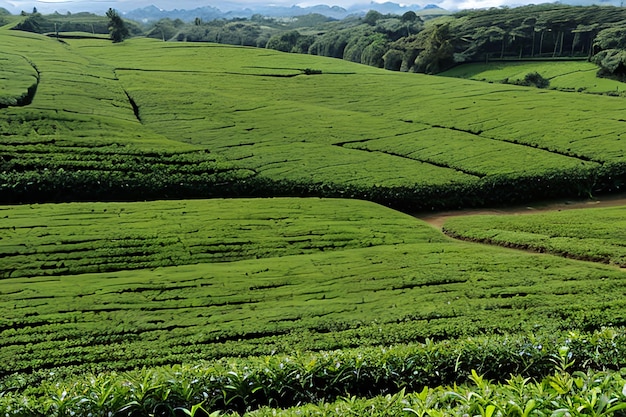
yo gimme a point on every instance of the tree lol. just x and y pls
(284, 42)
(35, 23)
(165, 29)
(612, 63)
(372, 17)
(117, 27)
(408, 19)
(438, 49)
(393, 59)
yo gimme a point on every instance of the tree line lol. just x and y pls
(410, 42)
(417, 43)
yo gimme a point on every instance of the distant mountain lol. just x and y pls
(230, 11)
(153, 13)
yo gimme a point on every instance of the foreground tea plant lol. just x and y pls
(154, 393)
(446, 378)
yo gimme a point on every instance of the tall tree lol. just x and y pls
(117, 27)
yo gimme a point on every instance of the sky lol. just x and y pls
(100, 6)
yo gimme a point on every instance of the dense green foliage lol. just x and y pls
(419, 43)
(591, 234)
(117, 27)
(60, 24)
(535, 375)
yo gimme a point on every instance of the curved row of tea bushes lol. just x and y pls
(241, 384)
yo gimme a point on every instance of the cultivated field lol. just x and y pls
(120, 306)
(265, 123)
(161, 282)
(578, 76)
(592, 234)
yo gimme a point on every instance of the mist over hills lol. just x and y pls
(232, 10)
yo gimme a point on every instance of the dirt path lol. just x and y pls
(437, 219)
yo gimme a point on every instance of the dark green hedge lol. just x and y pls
(40, 175)
(240, 384)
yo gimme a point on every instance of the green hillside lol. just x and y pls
(578, 76)
(591, 234)
(164, 282)
(150, 287)
(243, 121)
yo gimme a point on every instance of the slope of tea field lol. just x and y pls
(326, 124)
(18, 77)
(596, 234)
(577, 76)
(123, 285)
(149, 119)
(69, 132)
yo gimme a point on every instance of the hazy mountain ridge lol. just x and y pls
(229, 11)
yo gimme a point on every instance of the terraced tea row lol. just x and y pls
(18, 80)
(343, 382)
(100, 237)
(381, 278)
(593, 234)
(79, 138)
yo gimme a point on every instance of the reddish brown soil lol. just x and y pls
(437, 219)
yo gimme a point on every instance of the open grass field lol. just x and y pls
(594, 234)
(579, 76)
(94, 286)
(266, 123)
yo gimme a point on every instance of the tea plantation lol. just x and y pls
(134, 283)
(204, 120)
(573, 76)
(591, 234)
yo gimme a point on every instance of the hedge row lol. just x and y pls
(164, 181)
(242, 384)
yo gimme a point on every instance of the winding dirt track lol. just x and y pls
(437, 219)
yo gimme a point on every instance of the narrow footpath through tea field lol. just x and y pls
(437, 219)
(440, 219)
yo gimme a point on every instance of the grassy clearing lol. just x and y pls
(593, 234)
(577, 76)
(331, 275)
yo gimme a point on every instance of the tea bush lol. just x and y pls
(541, 373)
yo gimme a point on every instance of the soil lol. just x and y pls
(437, 219)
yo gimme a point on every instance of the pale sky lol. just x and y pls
(100, 6)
